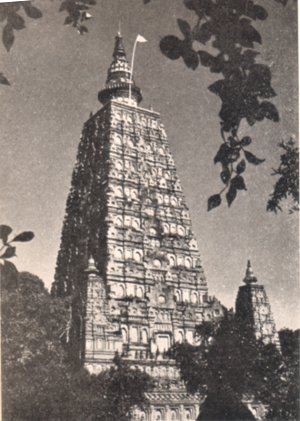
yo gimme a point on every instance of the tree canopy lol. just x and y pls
(39, 381)
(231, 367)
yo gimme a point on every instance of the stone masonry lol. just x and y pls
(128, 253)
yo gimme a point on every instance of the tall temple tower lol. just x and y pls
(253, 310)
(128, 255)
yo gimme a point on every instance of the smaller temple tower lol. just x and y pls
(253, 309)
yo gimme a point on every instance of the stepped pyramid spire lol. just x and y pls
(253, 310)
(118, 77)
(249, 277)
(145, 287)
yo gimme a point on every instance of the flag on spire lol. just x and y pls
(140, 38)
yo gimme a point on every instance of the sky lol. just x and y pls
(55, 76)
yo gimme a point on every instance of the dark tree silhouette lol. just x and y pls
(288, 183)
(39, 380)
(231, 366)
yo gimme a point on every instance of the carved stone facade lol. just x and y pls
(253, 310)
(144, 288)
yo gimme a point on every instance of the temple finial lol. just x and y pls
(91, 268)
(119, 77)
(249, 277)
(119, 30)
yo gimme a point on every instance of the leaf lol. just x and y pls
(260, 12)
(241, 167)
(238, 183)
(4, 80)
(3, 12)
(233, 142)
(222, 154)
(206, 58)
(171, 47)
(32, 11)
(5, 230)
(248, 58)
(225, 175)
(246, 141)
(63, 6)
(17, 21)
(233, 155)
(231, 195)
(82, 29)
(9, 252)
(68, 20)
(185, 28)
(249, 34)
(10, 271)
(8, 36)
(213, 202)
(217, 87)
(190, 57)
(24, 236)
(269, 111)
(252, 158)
(204, 32)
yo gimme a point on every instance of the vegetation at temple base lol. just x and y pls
(232, 364)
(39, 382)
(224, 40)
(285, 404)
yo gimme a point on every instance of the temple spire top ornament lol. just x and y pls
(249, 277)
(120, 84)
(91, 268)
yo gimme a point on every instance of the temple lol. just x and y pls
(253, 310)
(128, 254)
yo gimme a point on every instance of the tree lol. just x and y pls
(34, 371)
(285, 403)
(230, 367)
(8, 271)
(245, 87)
(39, 380)
(288, 182)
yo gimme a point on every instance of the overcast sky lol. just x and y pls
(56, 75)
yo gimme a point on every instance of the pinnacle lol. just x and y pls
(119, 77)
(119, 50)
(91, 266)
(249, 277)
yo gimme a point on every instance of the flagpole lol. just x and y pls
(132, 62)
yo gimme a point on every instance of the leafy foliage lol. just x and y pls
(39, 382)
(77, 13)
(245, 87)
(34, 374)
(229, 365)
(288, 182)
(13, 15)
(285, 404)
(8, 270)
(12, 21)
